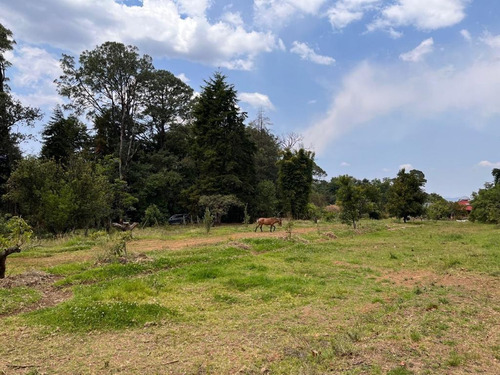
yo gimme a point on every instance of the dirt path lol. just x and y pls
(166, 244)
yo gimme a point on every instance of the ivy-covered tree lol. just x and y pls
(221, 150)
(63, 137)
(295, 178)
(406, 196)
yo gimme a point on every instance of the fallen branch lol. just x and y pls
(125, 226)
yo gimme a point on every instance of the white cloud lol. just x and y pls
(345, 164)
(183, 78)
(164, 28)
(424, 15)
(492, 41)
(307, 53)
(371, 92)
(417, 54)
(33, 66)
(489, 164)
(256, 100)
(276, 13)
(407, 167)
(193, 8)
(466, 35)
(344, 12)
(233, 18)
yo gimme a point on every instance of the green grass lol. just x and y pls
(15, 298)
(360, 304)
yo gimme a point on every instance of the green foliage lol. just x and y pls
(351, 199)
(207, 220)
(55, 199)
(246, 216)
(406, 195)
(266, 202)
(486, 205)
(111, 79)
(221, 149)
(219, 205)
(294, 181)
(153, 216)
(63, 137)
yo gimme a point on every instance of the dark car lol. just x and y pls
(179, 219)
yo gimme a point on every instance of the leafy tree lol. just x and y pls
(168, 104)
(496, 176)
(55, 199)
(219, 205)
(63, 137)
(295, 178)
(486, 204)
(351, 198)
(12, 112)
(406, 196)
(266, 202)
(110, 81)
(438, 207)
(221, 150)
(13, 235)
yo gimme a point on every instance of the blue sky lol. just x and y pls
(371, 85)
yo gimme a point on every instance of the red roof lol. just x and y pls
(466, 203)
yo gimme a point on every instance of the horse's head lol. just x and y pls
(279, 221)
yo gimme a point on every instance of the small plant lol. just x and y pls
(289, 229)
(207, 220)
(152, 216)
(455, 359)
(246, 216)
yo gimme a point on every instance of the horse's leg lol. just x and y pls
(256, 227)
(271, 227)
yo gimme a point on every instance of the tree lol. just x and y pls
(56, 199)
(13, 235)
(221, 150)
(265, 200)
(63, 137)
(295, 178)
(406, 196)
(351, 199)
(496, 176)
(486, 203)
(110, 81)
(219, 205)
(12, 112)
(438, 208)
(168, 104)
(267, 148)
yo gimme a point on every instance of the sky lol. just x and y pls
(372, 86)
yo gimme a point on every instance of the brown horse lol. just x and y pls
(268, 221)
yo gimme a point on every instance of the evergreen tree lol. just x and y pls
(222, 152)
(63, 137)
(295, 178)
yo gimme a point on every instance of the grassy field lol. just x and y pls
(389, 298)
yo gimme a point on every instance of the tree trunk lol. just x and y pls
(3, 257)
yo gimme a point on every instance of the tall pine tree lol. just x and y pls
(222, 152)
